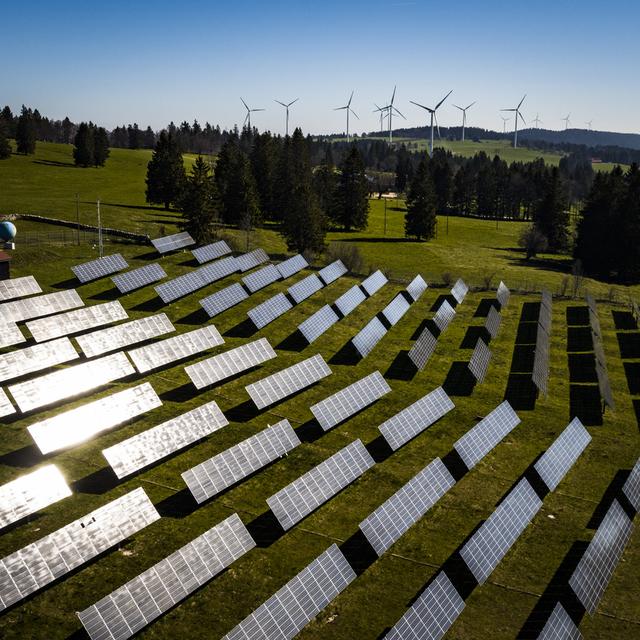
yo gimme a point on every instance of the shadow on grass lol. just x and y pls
(585, 403)
(178, 505)
(293, 342)
(70, 283)
(97, 483)
(379, 449)
(180, 394)
(472, 335)
(624, 321)
(484, 306)
(444, 297)
(154, 304)
(523, 358)
(577, 316)
(402, 368)
(530, 312)
(108, 294)
(527, 333)
(613, 492)
(310, 431)
(636, 409)
(197, 317)
(579, 339)
(150, 255)
(582, 367)
(244, 329)
(347, 355)
(521, 392)
(24, 458)
(629, 344)
(243, 412)
(358, 552)
(265, 529)
(459, 380)
(427, 324)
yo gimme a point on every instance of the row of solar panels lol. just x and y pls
(540, 375)
(604, 386)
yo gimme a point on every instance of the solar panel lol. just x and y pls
(156, 443)
(444, 315)
(432, 614)
(170, 350)
(635, 310)
(479, 362)
(30, 493)
(305, 288)
(302, 496)
(503, 294)
(394, 311)
(138, 278)
(544, 319)
(594, 321)
(291, 265)
(6, 408)
(44, 561)
(459, 290)
(216, 474)
(332, 272)
(269, 310)
(224, 299)
(497, 534)
(417, 287)
(252, 259)
(10, 334)
(18, 287)
(64, 324)
(291, 608)
(83, 423)
(540, 375)
(172, 242)
(99, 268)
(211, 251)
(134, 605)
(349, 300)
(406, 506)
(484, 436)
(19, 310)
(560, 626)
(348, 401)
(368, 337)
(492, 323)
(283, 383)
(230, 363)
(415, 418)
(374, 282)
(591, 302)
(422, 349)
(631, 487)
(319, 322)
(261, 278)
(123, 335)
(547, 299)
(36, 358)
(591, 577)
(70, 382)
(604, 385)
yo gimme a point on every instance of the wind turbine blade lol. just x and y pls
(293, 102)
(443, 99)
(457, 107)
(521, 101)
(340, 108)
(471, 105)
(398, 112)
(393, 95)
(282, 103)
(351, 98)
(420, 105)
(521, 118)
(508, 109)
(244, 103)
(354, 113)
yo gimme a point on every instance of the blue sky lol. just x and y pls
(120, 62)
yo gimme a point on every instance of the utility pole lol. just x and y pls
(100, 250)
(78, 217)
(385, 216)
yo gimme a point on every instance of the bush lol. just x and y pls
(447, 279)
(348, 253)
(532, 241)
(487, 279)
(564, 285)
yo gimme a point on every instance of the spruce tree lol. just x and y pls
(263, 163)
(26, 132)
(100, 146)
(83, 145)
(351, 202)
(551, 217)
(420, 219)
(5, 147)
(199, 202)
(165, 172)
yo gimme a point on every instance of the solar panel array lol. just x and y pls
(349, 300)
(491, 542)
(332, 272)
(459, 290)
(70, 382)
(21, 362)
(211, 251)
(404, 508)
(230, 363)
(157, 443)
(394, 311)
(479, 362)
(267, 311)
(30, 493)
(562, 454)
(173, 242)
(593, 573)
(415, 418)
(37, 306)
(444, 315)
(216, 474)
(375, 281)
(138, 278)
(99, 268)
(560, 626)
(432, 614)
(503, 294)
(417, 287)
(64, 324)
(83, 423)
(484, 436)
(10, 334)
(133, 606)
(302, 496)
(44, 561)
(492, 323)
(348, 401)
(292, 265)
(261, 278)
(123, 335)
(18, 287)
(593, 314)
(6, 408)
(631, 487)
(422, 349)
(224, 299)
(283, 383)
(545, 315)
(540, 375)
(635, 310)
(291, 608)
(305, 288)
(368, 337)
(603, 384)
(319, 322)
(251, 260)
(170, 350)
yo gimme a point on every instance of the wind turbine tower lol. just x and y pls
(432, 111)
(504, 123)
(589, 124)
(348, 109)
(516, 110)
(566, 121)
(390, 109)
(286, 106)
(382, 111)
(537, 121)
(464, 116)
(247, 119)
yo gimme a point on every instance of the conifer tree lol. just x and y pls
(199, 202)
(551, 217)
(83, 145)
(165, 172)
(5, 147)
(26, 132)
(420, 219)
(100, 146)
(351, 201)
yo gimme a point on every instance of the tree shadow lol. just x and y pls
(472, 335)
(459, 380)
(197, 317)
(579, 339)
(142, 207)
(26, 457)
(293, 342)
(97, 483)
(582, 367)
(629, 344)
(402, 368)
(484, 306)
(265, 529)
(57, 163)
(244, 329)
(577, 315)
(521, 392)
(624, 321)
(585, 404)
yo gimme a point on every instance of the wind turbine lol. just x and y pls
(464, 116)
(589, 123)
(504, 123)
(348, 109)
(566, 121)
(286, 106)
(382, 114)
(537, 121)
(517, 115)
(390, 109)
(249, 112)
(433, 117)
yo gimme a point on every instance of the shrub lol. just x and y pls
(564, 285)
(348, 253)
(532, 241)
(447, 279)
(487, 279)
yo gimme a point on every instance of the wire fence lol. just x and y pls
(64, 237)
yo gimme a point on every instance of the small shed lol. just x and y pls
(5, 265)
